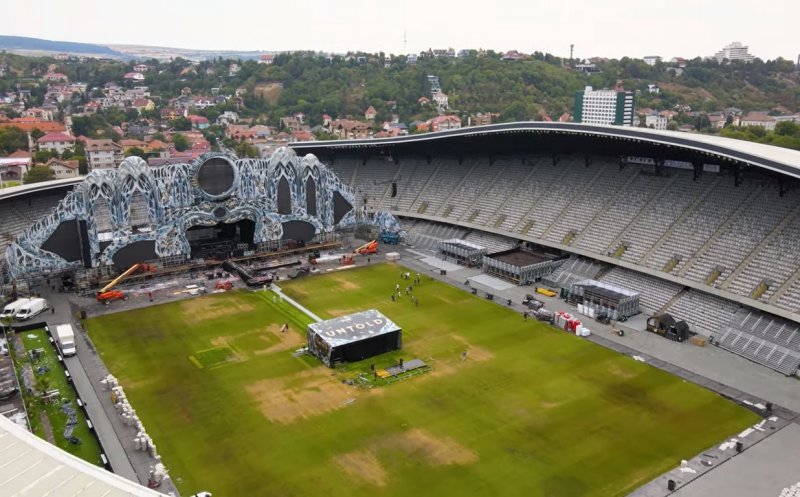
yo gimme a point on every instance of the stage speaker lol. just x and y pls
(671, 485)
(474, 291)
(768, 407)
(394, 190)
(443, 272)
(739, 447)
(86, 254)
(83, 314)
(489, 296)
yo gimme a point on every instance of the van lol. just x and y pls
(30, 309)
(11, 309)
(65, 338)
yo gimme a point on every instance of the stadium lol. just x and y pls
(631, 235)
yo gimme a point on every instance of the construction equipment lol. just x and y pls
(347, 260)
(106, 295)
(224, 285)
(367, 248)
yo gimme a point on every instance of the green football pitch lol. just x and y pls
(531, 411)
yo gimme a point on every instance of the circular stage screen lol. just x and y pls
(215, 176)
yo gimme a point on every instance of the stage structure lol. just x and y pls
(461, 252)
(519, 265)
(142, 213)
(602, 299)
(353, 337)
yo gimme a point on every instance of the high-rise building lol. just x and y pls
(734, 51)
(604, 106)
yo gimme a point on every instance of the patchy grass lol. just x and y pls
(531, 411)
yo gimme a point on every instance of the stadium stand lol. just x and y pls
(769, 341)
(654, 293)
(574, 269)
(493, 243)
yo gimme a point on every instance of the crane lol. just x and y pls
(106, 294)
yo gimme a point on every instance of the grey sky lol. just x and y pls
(609, 28)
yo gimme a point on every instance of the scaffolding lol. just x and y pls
(461, 252)
(603, 299)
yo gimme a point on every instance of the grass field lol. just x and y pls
(532, 411)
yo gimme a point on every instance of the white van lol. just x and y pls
(30, 309)
(66, 339)
(11, 309)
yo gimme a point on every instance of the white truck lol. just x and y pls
(30, 309)
(65, 337)
(11, 309)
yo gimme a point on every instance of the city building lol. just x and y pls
(759, 119)
(651, 60)
(656, 122)
(604, 107)
(734, 51)
(103, 154)
(56, 142)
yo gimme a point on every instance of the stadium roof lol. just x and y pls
(604, 139)
(31, 466)
(15, 191)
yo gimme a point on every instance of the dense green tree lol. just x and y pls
(12, 139)
(246, 149)
(37, 174)
(135, 152)
(181, 142)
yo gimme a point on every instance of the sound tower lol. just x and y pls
(394, 190)
(83, 239)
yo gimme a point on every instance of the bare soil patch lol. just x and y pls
(196, 311)
(288, 340)
(474, 353)
(346, 284)
(436, 451)
(270, 92)
(302, 395)
(363, 465)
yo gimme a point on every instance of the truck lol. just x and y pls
(66, 339)
(106, 295)
(30, 309)
(11, 309)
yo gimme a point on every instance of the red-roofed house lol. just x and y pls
(198, 122)
(302, 136)
(63, 168)
(326, 119)
(56, 77)
(267, 59)
(423, 101)
(21, 154)
(56, 142)
(143, 104)
(370, 113)
(442, 123)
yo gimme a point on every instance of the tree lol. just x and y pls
(12, 139)
(181, 142)
(37, 174)
(43, 156)
(246, 149)
(135, 152)
(181, 124)
(36, 133)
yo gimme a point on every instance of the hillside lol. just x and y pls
(25, 44)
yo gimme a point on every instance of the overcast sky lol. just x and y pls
(608, 28)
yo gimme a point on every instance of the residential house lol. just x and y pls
(103, 154)
(143, 104)
(202, 102)
(228, 117)
(198, 122)
(326, 120)
(292, 123)
(411, 59)
(441, 99)
(141, 68)
(653, 88)
(759, 119)
(443, 123)
(302, 136)
(14, 168)
(483, 118)
(56, 142)
(130, 143)
(233, 69)
(717, 120)
(512, 55)
(133, 76)
(370, 113)
(267, 59)
(423, 101)
(651, 60)
(63, 169)
(348, 129)
(655, 121)
(55, 77)
(239, 132)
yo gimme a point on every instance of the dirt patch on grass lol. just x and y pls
(437, 451)
(270, 92)
(288, 340)
(474, 353)
(416, 443)
(302, 395)
(196, 311)
(363, 465)
(619, 372)
(346, 284)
